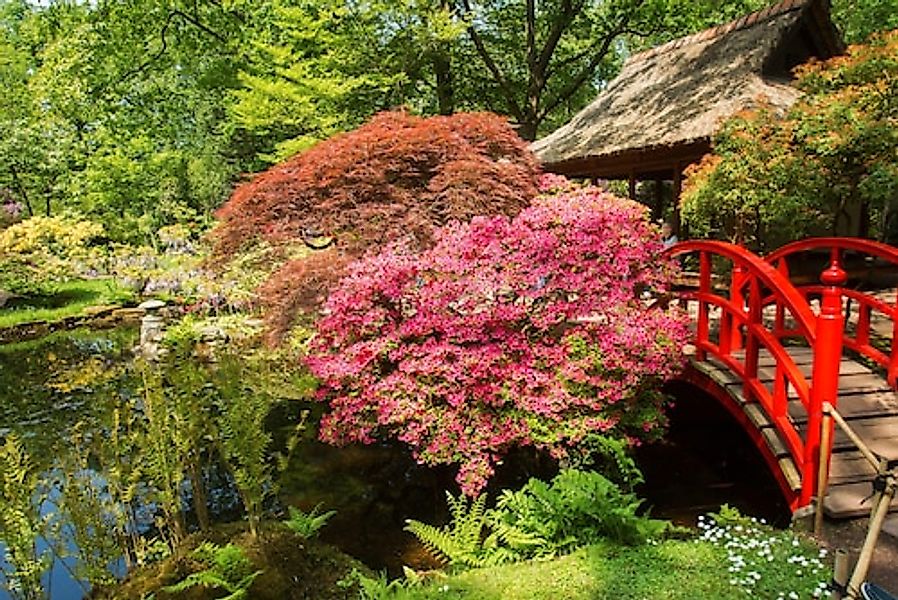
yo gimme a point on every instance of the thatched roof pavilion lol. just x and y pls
(659, 114)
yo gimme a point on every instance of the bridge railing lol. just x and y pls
(863, 260)
(742, 332)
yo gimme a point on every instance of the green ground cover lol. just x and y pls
(669, 570)
(69, 299)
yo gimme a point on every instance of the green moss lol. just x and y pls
(291, 568)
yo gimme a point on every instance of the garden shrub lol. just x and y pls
(826, 167)
(541, 520)
(509, 332)
(39, 252)
(398, 176)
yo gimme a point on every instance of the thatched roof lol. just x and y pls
(667, 102)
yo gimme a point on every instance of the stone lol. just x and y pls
(151, 305)
(128, 314)
(101, 310)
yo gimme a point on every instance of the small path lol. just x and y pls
(849, 535)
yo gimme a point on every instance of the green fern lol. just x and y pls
(460, 542)
(229, 570)
(306, 525)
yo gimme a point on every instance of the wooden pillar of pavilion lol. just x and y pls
(658, 206)
(677, 188)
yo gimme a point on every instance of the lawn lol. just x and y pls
(669, 570)
(69, 299)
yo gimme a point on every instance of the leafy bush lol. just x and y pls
(24, 563)
(576, 508)
(523, 332)
(538, 521)
(399, 176)
(38, 252)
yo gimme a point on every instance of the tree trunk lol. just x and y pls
(527, 130)
(22, 192)
(199, 495)
(442, 67)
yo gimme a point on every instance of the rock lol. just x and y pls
(213, 334)
(151, 305)
(128, 314)
(102, 310)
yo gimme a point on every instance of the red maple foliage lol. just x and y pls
(397, 177)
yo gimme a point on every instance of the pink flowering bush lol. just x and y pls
(508, 332)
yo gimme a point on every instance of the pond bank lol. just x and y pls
(92, 317)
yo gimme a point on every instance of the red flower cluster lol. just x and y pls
(524, 331)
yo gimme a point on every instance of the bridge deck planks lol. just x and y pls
(865, 400)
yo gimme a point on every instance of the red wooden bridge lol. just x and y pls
(774, 342)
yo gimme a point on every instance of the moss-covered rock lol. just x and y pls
(292, 568)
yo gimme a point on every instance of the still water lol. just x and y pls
(50, 386)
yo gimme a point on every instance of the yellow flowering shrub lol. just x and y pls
(38, 252)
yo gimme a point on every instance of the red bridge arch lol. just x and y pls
(750, 310)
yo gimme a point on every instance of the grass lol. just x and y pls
(668, 570)
(70, 299)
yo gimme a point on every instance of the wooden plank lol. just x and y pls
(757, 415)
(850, 466)
(790, 472)
(853, 406)
(880, 433)
(845, 501)
(862, 383)
(773, 441)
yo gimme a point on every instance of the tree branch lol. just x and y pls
(599, 52)
(501, 80)
(585, 73)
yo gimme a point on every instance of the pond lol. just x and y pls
(69, 387)
(70, 383)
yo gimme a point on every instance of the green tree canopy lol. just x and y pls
(829, 166)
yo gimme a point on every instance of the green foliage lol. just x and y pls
(242, 439)
(576, 508)
(380, 587)
(39, 252)
(227, 568)
(307, 524)
(858, 19)
(166, 442)
(460, 542)
(92, 513)
(608, 455)
(827, 167)
(21, 524)
(538, 521)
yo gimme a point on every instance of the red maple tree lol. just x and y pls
(397, 177)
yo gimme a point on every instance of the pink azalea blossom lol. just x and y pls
(508, 332)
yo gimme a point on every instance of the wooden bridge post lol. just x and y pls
(825, 374)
